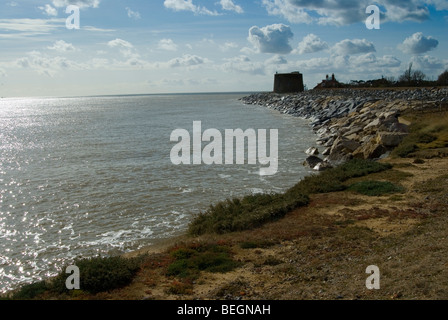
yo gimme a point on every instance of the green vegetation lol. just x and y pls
(375, 188)
(100, 274)
(104, 274)
(249, 212)
(427, 133)
(190, 261)
(333, 179)
(409, 78)
(442, 80)
(30, 291)
(436, 186)
(262, 244)
(97, 274)
(254, 210)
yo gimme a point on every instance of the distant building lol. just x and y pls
(329, 83)
(288, 82)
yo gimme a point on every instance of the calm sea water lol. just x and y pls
(89, 176)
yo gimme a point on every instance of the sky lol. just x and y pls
(177, 46)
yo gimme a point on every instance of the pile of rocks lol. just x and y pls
(352, 122)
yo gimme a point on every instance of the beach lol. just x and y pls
(321, 250)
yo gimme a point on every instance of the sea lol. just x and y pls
(92, 176)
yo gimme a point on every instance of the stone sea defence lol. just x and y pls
(352, 123)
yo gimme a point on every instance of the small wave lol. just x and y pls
(256, 190)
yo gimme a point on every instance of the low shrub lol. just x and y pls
(375, 188)
(333, 180)
(256, 244)
(100, 274)
(404, 149)
(30, 291)
(254, 210)
(189, 262)
(249, 212)
(427, 132)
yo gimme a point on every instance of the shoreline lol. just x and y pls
(417, 210)
(164, 245)
(361, 123)
(407, 99)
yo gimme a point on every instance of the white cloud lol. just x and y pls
(32, 26)
(243, 64)
(248, 51)
(126, 48)
(276, 60)
(62, 46)
(120, 43)
(79, 3)
(311, 44)
(167, 44)
(230, 6)
(406, 10)
(271, 39)
(228, 46)
(180, 5)
(133, 14)
(439, 4)
(429, 63)
(350, 66)
(370, 62)
(46, 65)
(49, 10)
(288, 10)
(94, 29)
(312, 65)
(353, 46)
(187, 60)
(187, 5)
(344, 12)
(418, 44)
(388, 61)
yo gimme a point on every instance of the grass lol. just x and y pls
(262, 244)
(427, 132)
(437, 186)
(254, 210)
(375, 188)
(322, 253)
(189, 261)
(29, 292)
(104, 274)
(249, 212)
(99, 274)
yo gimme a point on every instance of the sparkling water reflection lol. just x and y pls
(88, 176)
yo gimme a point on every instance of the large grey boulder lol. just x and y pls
(390, 139)
(312, 161)
(313, 151)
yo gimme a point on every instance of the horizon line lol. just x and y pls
(132, 94)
